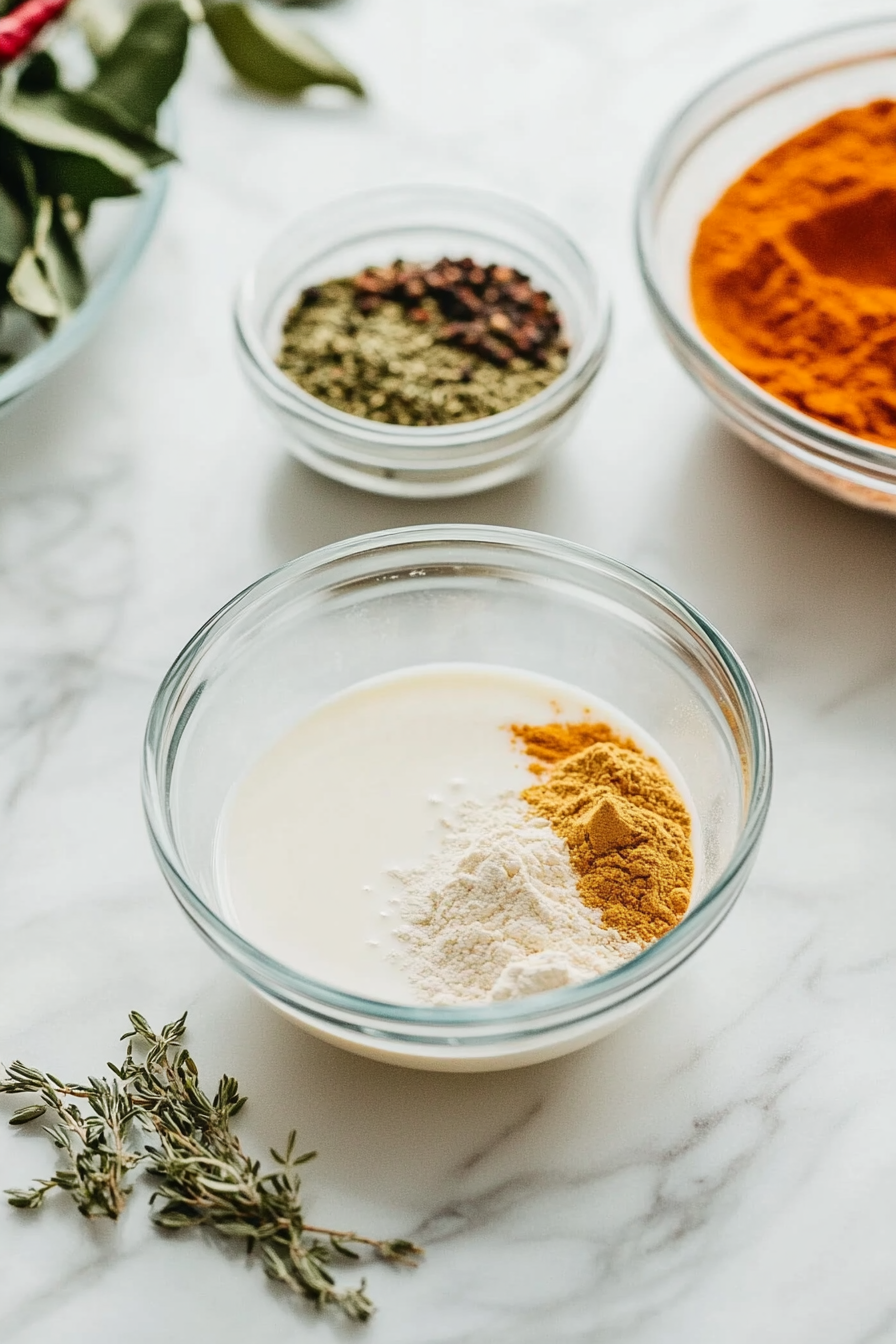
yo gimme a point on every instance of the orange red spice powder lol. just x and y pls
(793, 275)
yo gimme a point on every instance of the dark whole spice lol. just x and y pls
(411, 344)
(476, 301)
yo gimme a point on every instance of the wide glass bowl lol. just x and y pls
(421, 223)
(708, 145)
(112, 245)
(421, 595)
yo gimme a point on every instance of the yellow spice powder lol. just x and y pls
(627, 828)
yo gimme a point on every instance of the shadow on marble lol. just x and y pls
(34, 428)
(306, 510)
(382, 1131)
(428, 1143)
(799, 581)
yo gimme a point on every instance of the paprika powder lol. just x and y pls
(793, 274)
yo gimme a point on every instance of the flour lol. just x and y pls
(495, 913)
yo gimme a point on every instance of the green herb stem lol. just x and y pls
(204, 1178)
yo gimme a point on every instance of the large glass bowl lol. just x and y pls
(113, 244)
(421, 223)
(709, 144)
(420, 595)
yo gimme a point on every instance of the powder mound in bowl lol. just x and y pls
(496, 912)
(793, 273)
(536, 973)
(628, 833)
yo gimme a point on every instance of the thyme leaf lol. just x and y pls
(152, 1113)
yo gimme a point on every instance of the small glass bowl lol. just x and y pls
(421, 223)
(113, 243)
(412, 596)
(710, 143)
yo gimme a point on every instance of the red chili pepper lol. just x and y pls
(19, 29)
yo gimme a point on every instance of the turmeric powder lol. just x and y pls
(793, 274)
(626, 826)
(549, 743)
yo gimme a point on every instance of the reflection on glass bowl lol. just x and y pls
(414, 596)
(421, 223)
(707, 146)
(113, 243)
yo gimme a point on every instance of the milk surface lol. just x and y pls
(365, 784)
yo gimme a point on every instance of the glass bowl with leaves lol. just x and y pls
(79, 196)
(80, 186)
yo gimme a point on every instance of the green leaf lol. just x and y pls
(63, 266)
(29, 284)
(18, 176)
(27, 1113)
(270, 54)
(174, 1221)
(137, 76)
(13, 229)
(25, 1199)
(236, 1228)
(341, 1247)
(356, 1304)
(69, 121)
(30, 288)
(102, 22)
(40, 74)
(86, 180)
(400, 1249)
(48, 280)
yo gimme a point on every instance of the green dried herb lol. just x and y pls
(204, 1178)
(378, 359)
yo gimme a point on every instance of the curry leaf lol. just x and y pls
(269, 53)
(102, 22)
(60, 173)
(18, 174)
(29, 284)
(63, 265)
(13, 229)
(29, 287)
(40, 74)
(48, 279)
(137, 76)
(69, 121)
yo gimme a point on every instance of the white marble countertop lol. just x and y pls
(724, 1169)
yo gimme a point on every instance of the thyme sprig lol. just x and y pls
(204, 1176)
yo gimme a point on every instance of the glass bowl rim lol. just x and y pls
(585, 359)
(663, 164)
(639, 974)
(27, 372)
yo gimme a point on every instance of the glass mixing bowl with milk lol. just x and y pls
(319, 738)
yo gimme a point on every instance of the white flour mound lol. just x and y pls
(495, 912)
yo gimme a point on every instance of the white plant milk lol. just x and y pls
(364, 785)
